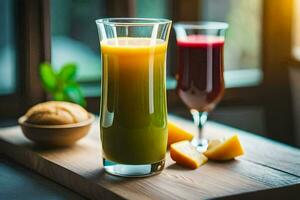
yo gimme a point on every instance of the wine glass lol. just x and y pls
(201, 65)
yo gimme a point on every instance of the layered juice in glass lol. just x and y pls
(133, 108)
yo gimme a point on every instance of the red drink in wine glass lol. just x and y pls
(200, 76)
(201, 65)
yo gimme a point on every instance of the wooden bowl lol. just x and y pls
(55, 135)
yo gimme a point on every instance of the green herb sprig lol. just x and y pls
(62, 85)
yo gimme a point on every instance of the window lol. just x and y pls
(7, 48)
(74, 36)
(243, 39)
(75, 39)
(153, 8)
(296, 30)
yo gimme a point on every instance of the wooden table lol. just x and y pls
(267, 170)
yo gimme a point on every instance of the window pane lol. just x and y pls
(243, 39)
(7, 48)
(153, 8)
(74, 35)
(296, 30)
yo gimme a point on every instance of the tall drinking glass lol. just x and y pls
(133, 115)
(200, 77)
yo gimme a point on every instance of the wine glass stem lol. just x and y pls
(199, 120)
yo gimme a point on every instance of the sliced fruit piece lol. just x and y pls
(215, 142)
(224, 149)
(176, 134)
(185, 154)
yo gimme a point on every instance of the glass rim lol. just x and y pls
(209, 25)
(128, 21)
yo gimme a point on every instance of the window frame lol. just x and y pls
(8, 102)
(276, 61)
(32, 47)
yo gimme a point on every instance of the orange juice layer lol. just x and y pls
(133, 112)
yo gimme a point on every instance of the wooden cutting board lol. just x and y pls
(267, 170)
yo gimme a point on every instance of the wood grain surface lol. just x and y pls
(266, 167)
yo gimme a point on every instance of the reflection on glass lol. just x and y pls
(7, 48)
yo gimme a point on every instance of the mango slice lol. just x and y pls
(176, 134)
(224, 149)
(185, 154)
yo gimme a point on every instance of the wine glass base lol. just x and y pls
(200, 144)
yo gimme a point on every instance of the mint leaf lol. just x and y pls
(48, 77)
(58, 96)
(68, 72)
(62, 86)
(74, 94)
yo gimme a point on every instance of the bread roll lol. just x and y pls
(56, 113)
